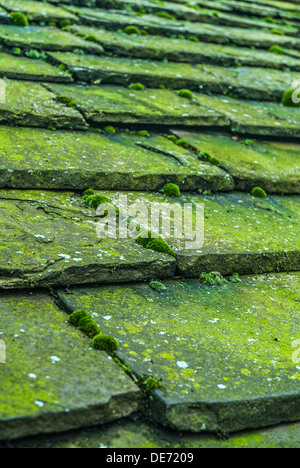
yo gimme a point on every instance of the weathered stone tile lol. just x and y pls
(151, 106)
(46, 388)
(243, 82)
(180, 50)
(38, 11)
(36, 158)
(272, 165)
(237, 232)
(256, 118)
(205, 32)
(45, 243)
(224, 365)
(4, 16)
(22, 68)
(45, 38)
(29, 103)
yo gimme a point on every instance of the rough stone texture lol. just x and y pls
(32, 158)
(239, 233)
(180, 50)
(47, 38)
(22, 68)
(268, 164)
(37, 11)
(151, 106)
(241, 82)
(225, 365)
(51, 239)
(52, 381)
(29, 103)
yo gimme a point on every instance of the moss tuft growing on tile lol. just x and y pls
(171, 190)
(258, 192)
(18, 19)
(186, 94)
(105, 343)
(212, 279)
(290, 98)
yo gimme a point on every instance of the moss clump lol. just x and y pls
(132, 30)
(87, 193)
(275, 49)
(18, 19)
(288, 100)
(90, 38)
(95, 200)
(89, 326)
(157, 286)
(212, 279)
(166, 15)
(76, 316)
(172, 138)
(105, 343)
(193, 39)
(16, 51)
(171, 190)
(110, 129)
(144, 133)
(66, 100)
(137, 86)
(183, 143)
(209, 158)
(258, 193)
(186, 94)
(65, 23)
(151, 384)
(158, 244)
(235, 278)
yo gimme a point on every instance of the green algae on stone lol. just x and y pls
(51, 160)
(31, 104)
(215, 356)
(39, 11)
(212, 279)
(40, 370)
(272, 165)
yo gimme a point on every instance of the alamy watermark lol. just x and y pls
(296, 93)
(2, 91)
(168, 220)
(2, 352)
(296, 354)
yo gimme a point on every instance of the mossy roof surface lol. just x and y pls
(124, 97)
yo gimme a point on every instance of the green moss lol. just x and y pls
(110, 129)
(183, 143)
(277, 31)
(144, 133)
(137, 86)
(95, 200)
(87, 193)
(258, 193)
(18, 19)
(76, 316)
(67, 100)
(171, 190)
(158, 244)
(132, 30)
(287, 99)
(193, 39)
(90, 38)
(172, 138)
(235, 278)
(16, 51)
(157, 286)
(204, 156)
(65, 23)
(62, 67)
(151, 384)
(105, 343)
(276, 50)
(212, 279)
(166, 15)
(186, 94)
(88, 326)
